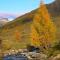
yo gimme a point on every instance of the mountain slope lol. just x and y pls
(17, 32)
(3, 21)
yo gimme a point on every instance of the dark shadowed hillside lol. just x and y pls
(54, 8)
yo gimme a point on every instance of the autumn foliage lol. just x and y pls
(42, 29)
(17, 35)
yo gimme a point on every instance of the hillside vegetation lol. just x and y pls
(16, 34)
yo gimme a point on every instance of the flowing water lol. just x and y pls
(15, 57)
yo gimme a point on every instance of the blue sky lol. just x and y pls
(18, 7)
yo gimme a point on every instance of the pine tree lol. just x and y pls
(42, 29)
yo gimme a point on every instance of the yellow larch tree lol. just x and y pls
(42, 29)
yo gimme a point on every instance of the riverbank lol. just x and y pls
(24, 54)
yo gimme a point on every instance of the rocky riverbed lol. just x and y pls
(23, 54)
(26, 55)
